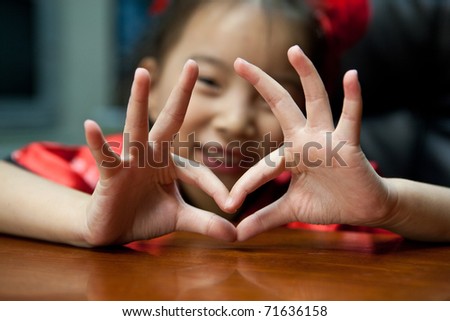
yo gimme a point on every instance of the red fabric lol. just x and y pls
(74, 166)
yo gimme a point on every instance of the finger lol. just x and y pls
(265, 170)
(171, 117)
(100, 149)
(318, 111)
(283, 106)
(267, 218)
(136, 123)
(349, 126)
(201, 176)
(191, 219)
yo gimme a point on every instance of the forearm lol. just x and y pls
(34, 207)
(421, 211)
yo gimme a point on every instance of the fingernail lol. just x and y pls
(297, 48)
(242, 61)
(139, 69)
(188, 62)
(229, 203)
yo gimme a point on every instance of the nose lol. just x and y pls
(236, 119)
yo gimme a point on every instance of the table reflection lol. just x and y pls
(279, 265)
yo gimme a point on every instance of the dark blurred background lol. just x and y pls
(404, 68)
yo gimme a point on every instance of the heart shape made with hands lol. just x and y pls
(324, 188)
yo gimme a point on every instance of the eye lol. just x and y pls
(209, 85)
(210, 82)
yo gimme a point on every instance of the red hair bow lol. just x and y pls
(344, 22)
(158, 6)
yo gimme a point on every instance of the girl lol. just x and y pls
(227, 139)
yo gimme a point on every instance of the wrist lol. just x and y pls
(389, 213)
(80, 235)
(419, 211)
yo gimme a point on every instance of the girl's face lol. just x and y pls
(228, 126)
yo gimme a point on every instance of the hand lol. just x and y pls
(332, 181)
(137, 196)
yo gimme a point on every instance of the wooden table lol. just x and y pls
(281, 264)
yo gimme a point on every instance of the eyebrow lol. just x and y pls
(211, 60)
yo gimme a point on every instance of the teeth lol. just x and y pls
(226, 160)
